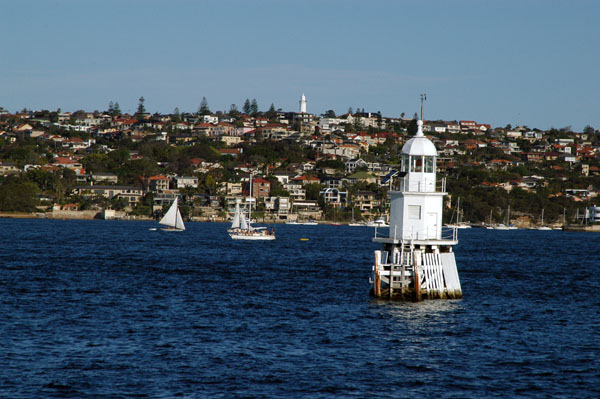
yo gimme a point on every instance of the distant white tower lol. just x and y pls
(303, 104)
(417, 259)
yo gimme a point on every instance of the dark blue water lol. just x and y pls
(111, 309)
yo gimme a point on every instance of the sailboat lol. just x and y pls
(542, 227)
(459, 223)
(335, 222)
(507, 226)
(355, 223)
(172, 219)
(490, 226)
(242, 229)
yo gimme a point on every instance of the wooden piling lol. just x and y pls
(417, 281)
(377, 287)
(391, 280)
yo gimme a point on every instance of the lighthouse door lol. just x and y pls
(431, 223)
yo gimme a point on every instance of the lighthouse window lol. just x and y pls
(416, 164)
(414, 212)
(405, 162)
(429, 164)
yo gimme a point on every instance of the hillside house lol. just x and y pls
(365, 200)
(131, 194)
(304, 180)
(260, 187)
(334, 197)
(296, 190)
(158, 183)
(185, 181)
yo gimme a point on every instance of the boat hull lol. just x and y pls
(252, 237)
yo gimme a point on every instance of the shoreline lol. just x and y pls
(96, 215)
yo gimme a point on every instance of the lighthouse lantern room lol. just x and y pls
(416, 260)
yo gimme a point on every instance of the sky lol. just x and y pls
(527, 62)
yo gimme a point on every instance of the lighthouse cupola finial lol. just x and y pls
(419, 129)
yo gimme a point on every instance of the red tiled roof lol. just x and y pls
(158, 177)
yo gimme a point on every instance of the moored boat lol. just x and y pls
(241, 229)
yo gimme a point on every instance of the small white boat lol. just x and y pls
(459, 226)
(172, 219)
(310, 223)
(379, 222)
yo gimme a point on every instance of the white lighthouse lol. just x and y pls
(417, 259)
(302, 104)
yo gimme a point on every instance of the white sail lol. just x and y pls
(243, 224)
(173, 217)
(179, 223)
(236, 218)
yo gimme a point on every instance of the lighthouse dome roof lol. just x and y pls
(419, 145)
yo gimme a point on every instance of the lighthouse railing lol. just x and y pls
(450, 233)
(447, 234)
(421, 186)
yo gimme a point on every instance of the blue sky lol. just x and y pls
(529, 62)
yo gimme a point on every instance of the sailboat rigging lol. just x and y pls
(459, 224)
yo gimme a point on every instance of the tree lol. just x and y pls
(412, 127)
(254, 107)
(271, 113)
(350, 111)
(246, 109)
(119, 157)
(329, 114)
(210, 183)
(141, 109)
(233, 110)
(203, 109)
(176, 115)
(313, 191)
(18, 195)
